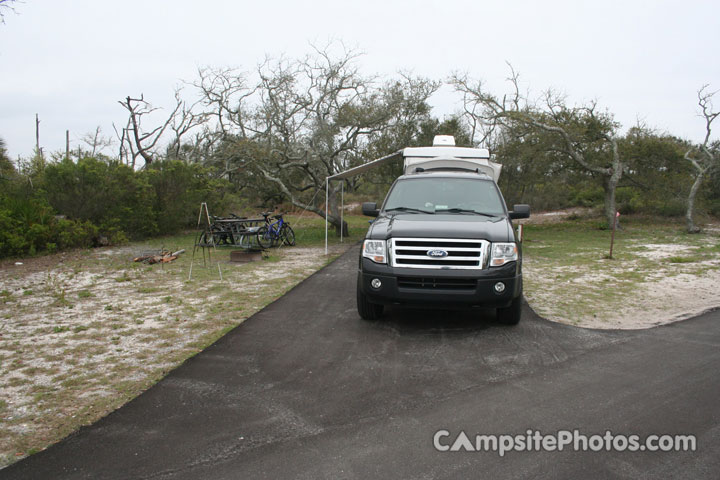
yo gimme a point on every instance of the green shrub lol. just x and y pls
(38, 235)
(12, 240)
(107, 194)
(672, 207)
(179, 188)
(714, 207)
(589, 197)
(75, 233)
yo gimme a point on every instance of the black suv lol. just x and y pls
(442, 238)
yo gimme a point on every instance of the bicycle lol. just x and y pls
(274, 233)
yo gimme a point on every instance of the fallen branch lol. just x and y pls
(165, 256)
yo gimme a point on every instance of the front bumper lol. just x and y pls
(414, 286)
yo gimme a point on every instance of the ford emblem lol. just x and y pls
(437, 253)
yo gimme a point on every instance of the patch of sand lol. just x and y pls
(666, 294)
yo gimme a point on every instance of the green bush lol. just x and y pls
(25, 233)
(12, 239)
(589, 197)
(630, 200)
(38, 235)
(74, 233)
(107, 194)
(714, 207)
(672, 207)
(163, 198)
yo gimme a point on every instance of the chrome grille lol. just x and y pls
(460, 253)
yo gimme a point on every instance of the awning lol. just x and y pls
(351, 172)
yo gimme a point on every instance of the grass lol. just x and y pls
(682, 260)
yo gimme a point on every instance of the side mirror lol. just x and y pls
(520, 211)
(370, 209)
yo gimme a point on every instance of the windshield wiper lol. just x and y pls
(465, 210)
(408, 209)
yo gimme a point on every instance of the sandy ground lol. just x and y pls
(82, 332)
(656, 301)
(667, 293)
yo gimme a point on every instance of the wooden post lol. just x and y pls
(612, 235)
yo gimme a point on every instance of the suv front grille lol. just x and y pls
(432, 283)
(452, 253)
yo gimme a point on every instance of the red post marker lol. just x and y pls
(612, 235)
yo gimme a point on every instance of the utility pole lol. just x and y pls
(67, 144)
(37, 134)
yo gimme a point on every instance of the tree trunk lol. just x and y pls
(335, 210)
(691, 227)
(610, 185)
(333, 216)
(345, 233)
(332, 219)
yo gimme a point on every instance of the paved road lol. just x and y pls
(305, 389)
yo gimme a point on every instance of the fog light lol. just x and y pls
(499, 287)
(375, 283)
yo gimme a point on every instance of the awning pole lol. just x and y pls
(327, 183)
(342, 207)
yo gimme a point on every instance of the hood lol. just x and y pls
(495, 229)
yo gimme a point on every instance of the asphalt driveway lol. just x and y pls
(306, 389)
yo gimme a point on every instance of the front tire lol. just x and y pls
(367, 309)
(288, 236)
(264, 238)
(510, 315)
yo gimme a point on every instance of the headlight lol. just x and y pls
(503, 253)
(375, 250)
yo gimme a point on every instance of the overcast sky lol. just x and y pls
(70, 61)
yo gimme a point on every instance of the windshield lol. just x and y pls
(444, 195)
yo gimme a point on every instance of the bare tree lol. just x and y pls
(96, 141)
(126, 152)
(582, 134)
(140, 143)
(703, 157)
(304, 120)
(185, 120)
(6, 5)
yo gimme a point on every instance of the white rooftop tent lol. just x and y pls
(443, 154)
